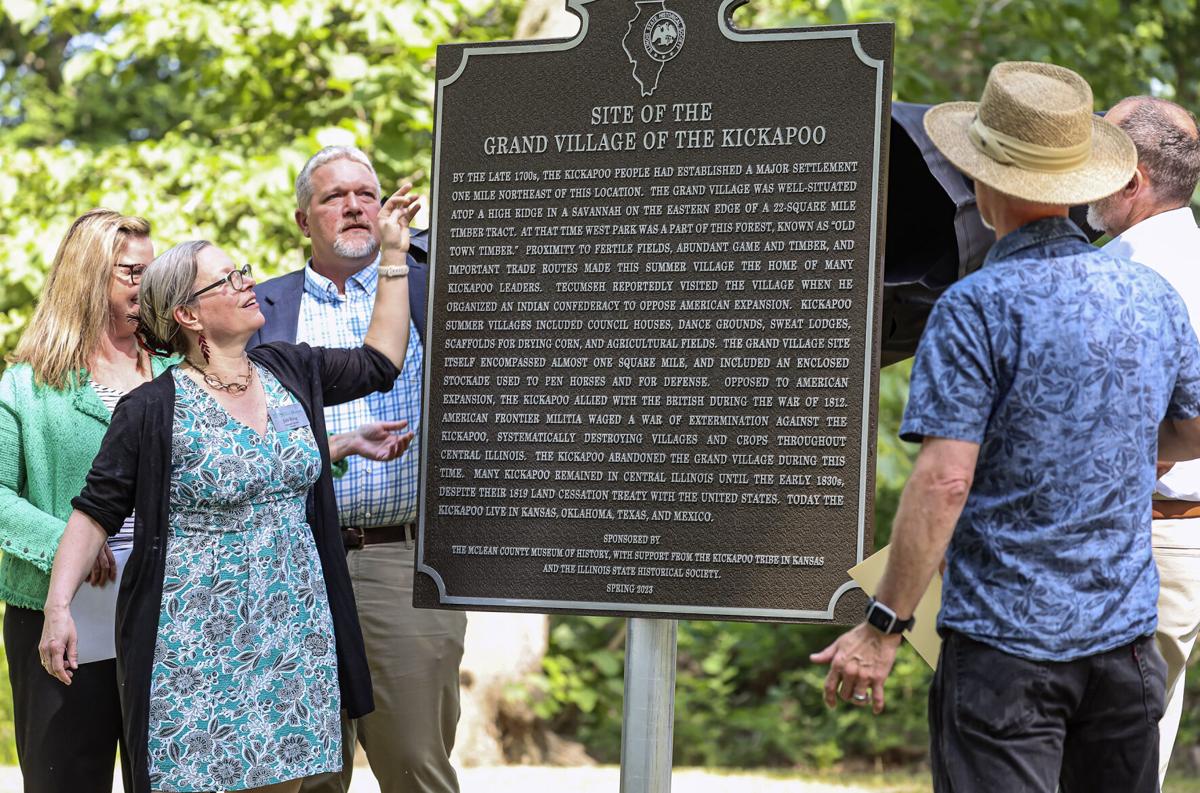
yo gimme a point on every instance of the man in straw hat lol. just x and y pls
(1040, 389)
(1152, 224)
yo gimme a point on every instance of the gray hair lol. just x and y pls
(167, 284)
(1167, 145)
(304, 190)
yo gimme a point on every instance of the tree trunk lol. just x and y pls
(502, 650)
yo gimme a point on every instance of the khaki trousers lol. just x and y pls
(413, 655)
(1177, 553)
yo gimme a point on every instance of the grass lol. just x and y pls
(1177, 783)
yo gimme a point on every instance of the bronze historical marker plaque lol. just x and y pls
(652, 355)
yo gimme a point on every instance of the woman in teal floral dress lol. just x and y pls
(238, 644)
(242, 574)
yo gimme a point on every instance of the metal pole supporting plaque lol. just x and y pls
(649, 715)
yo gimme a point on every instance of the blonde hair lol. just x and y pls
(73, 311)
(167, 284)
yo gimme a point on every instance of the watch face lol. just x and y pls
(880, 616)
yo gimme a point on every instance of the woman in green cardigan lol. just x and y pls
(76, 358)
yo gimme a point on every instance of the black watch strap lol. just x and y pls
(883, 619)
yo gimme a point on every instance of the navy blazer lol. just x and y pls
(279, 298)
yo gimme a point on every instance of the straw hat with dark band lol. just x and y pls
(1033, 136)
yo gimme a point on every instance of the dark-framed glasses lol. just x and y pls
(133, 272)
(236, 280)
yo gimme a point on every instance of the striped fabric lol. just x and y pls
(110, 397)
(370, 494)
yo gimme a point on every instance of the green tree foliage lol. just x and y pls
(944, 48)
(198, 114)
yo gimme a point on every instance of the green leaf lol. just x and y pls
(26, 13)
(586, 699)
(78, 66)
(608, 663)
(349, 68)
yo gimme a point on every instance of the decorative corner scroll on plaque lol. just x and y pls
(652, 353)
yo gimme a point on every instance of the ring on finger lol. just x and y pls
(859, 696)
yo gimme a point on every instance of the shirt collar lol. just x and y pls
(1157, 227)
(321, 288)
(1032, 235)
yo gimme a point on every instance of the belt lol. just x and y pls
(1169, 508)
(355, 537)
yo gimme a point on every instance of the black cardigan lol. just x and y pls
(133, 471)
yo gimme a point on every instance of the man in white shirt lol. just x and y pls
(1151, 222)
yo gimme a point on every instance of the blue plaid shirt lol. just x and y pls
(1059, 360)
(371, 493)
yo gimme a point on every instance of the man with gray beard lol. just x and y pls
(1152, 224)
(413, 654)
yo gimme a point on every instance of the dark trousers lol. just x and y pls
(67, 736)
(1002, 723)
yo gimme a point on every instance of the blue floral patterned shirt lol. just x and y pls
(1060, 361)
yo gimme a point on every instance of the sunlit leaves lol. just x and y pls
(944, 48)
(200, 118)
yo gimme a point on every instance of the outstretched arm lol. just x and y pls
(861, 659)
(378, 440)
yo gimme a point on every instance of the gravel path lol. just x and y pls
(531, 779)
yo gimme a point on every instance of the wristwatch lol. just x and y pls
(393, 270)
(884, 620)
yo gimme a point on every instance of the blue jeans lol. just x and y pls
(999, 722)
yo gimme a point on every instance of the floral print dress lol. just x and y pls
(244, 690)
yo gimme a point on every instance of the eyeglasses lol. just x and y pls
(236, 279)
(133, 272)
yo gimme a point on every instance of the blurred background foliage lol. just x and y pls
(197, 114)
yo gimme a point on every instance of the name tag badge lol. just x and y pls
(289, 417)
